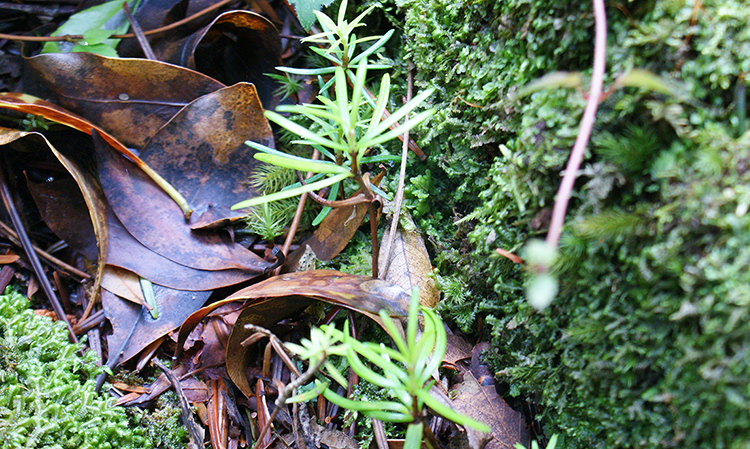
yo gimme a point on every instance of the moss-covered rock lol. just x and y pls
(646, 343)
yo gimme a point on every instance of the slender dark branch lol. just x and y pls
(196, 440)
(13, 236)
(31, 254)
(297, 217)
(39, 10)
(78, 37)
(288, 391)
(115, 357)
(374, 237)
(138, 31)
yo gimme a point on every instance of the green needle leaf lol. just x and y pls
(292, 192)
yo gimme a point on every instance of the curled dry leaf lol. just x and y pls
(123, 283)
(223, 48)
(128, 253)
(174, 306)
(201, 151)
(88, 189)
(409, 263)
(279, 297)
(32, 105)
(157, 222)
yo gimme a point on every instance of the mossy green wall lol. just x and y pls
(646, 343)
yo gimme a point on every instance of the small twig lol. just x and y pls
(352, 201)
(288, 391)
(378, 431)
(114, 358)
(138, 31)
(298, 379)
(284, 353)
(196, 440)
(15, 218)
(297, 217)
(39, 10)
(89, 323)
(587, 122)
(412, 145)
(78, 37)
(12, 235)
(400, 191)
(373, 209)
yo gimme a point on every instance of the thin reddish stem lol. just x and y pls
(587, 122)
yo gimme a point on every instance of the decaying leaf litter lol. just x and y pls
(135, 164)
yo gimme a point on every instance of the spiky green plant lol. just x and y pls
(345, 125)
(406, 371)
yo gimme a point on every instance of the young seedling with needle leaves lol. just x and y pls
(345, 125)
(404, 372)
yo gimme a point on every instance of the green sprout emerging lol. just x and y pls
(343, 128)
(406, 371)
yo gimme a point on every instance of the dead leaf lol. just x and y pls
(409, 263)
(121, 95)
(157, 222)
(265, 313)
(173, 307)
(477, 398)
(62, 208)
(8, 258)
(128, 253)
(88, 189)
(223, 50)
(362, 294)
(284, 295)
(201, 151)
(457, 349)
(123, 283)
(32, 105)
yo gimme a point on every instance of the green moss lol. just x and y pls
(163, 426)
(47, 396)
(646, 343)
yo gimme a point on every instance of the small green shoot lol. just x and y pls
(534, 445)
(406, 371)
(346, 124)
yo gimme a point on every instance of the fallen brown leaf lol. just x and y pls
(409, 263)
(477, 398)
(130, 98)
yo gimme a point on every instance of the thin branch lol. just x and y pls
(78, 37)
(138, 31)
(196, 440)
(297, 217)
(373, 211)
(31, 254)
(13, 236)
(351, 201)
(400, 191)
(587, 122)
